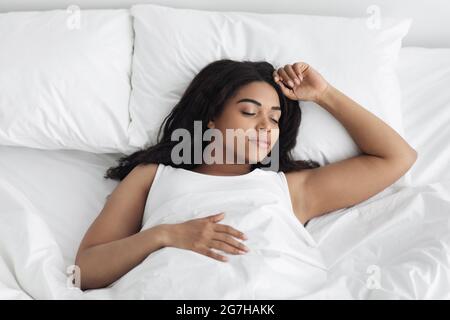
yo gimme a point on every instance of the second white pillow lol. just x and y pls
(173, 45)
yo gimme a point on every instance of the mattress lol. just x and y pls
(393, 246)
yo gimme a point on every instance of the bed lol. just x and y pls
(393, 246)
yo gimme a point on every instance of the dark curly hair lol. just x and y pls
(203, 100)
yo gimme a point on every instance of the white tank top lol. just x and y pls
(283, 261)
(194, 192)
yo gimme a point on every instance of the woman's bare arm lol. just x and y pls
(113, 244)
(386, 155)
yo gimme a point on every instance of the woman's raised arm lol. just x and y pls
(386, 155)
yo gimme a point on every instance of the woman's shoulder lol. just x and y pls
(147, 168)
(295, 180)
(294, 175)
(144, 174)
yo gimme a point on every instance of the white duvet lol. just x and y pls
(394, 246)
(424, 76)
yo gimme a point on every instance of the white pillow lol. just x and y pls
(65, 79)
(173, 45)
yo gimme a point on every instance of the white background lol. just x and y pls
(431, 26)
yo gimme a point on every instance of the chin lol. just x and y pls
(253, 154)
(255, 159)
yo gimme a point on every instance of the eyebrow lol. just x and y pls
(257, 103)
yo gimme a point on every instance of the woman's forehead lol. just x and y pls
(259, 91)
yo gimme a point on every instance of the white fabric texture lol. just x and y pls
(65, 79)
(355, 58)
(398, 240)
(425, 81)
(257, 204)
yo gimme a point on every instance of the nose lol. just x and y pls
(264, 124)
(263, 131)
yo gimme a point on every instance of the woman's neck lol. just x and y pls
(223, 169)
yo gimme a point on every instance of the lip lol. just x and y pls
(261, 143)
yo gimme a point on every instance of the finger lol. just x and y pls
(278, 81)
(216, 217)
(300, 68)
(292, 74)
(223, 237)
(286, 91)
(230, 230)
(225, 247)
(285, 77)
(275, 76)
(209, 253)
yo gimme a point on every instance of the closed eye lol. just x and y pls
(252, 114)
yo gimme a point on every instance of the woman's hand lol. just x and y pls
(300, 82)
(203, 234)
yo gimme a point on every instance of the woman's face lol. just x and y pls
(251, 117)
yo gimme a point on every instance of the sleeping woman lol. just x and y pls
(218, 211)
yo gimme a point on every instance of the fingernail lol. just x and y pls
(246, 249)
(244, 237)
(242, 252)
(224, 259)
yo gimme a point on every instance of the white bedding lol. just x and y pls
(394, 246)
(424, 76)
(399, 241)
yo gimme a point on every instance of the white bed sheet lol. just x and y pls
(424, 76)
(395, 245)
(399, 241)
(47, 202)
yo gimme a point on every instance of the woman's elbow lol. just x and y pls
(79, 263)
(407, 160)
(412, 157)
(85, 279)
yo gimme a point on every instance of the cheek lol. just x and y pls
(236, 125)
(274, 136)
(237, 121)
